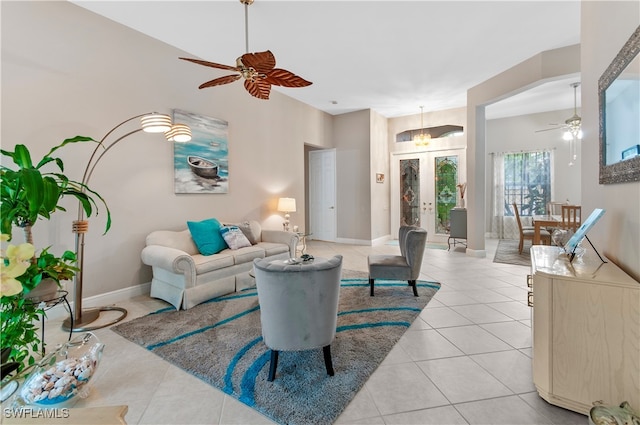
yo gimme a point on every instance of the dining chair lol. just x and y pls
(555, 208)
(528, 233)
(571, 217)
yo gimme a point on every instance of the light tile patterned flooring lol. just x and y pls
(465, 360)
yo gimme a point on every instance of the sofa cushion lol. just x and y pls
(234, 237)
(252, 230)
(207, 263)
(206, 235)
(181, 240)
(247, 254)
(271, 248)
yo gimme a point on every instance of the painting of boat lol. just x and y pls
(203, 167)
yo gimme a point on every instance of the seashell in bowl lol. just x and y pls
(63, 374)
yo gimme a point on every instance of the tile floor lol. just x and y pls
(465, 360)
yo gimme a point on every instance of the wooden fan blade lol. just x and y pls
(258, 88)
(211, 64)
(284, 78)
(219, 81)
(260, 61)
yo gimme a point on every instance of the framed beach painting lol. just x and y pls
(201, 165)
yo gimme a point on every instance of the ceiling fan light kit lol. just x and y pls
(258, 69)
(572, 127)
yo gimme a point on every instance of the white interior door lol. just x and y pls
(322, 194)
(424, 190)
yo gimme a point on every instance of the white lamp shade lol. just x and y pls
(156, 123)
(180, 133)
(287, 204)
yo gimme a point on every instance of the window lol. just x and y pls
(527, 182)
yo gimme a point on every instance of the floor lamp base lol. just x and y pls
(90, 316)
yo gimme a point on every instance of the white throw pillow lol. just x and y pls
(234, 237)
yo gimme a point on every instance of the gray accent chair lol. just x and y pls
(298, 306)
(406, 266)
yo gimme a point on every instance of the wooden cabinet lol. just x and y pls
(458, 226)
(586, 331)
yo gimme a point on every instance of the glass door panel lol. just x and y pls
(410, 192)
(446, 179)
(424, 190)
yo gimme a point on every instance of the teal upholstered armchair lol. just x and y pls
(406, 266)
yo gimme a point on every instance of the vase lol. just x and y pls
(45, 291)
(64, 373)
(461, 205)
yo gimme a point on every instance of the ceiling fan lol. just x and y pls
(258, 69)
(571, 125)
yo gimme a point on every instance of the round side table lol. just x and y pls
(47, 304)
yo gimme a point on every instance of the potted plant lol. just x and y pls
(28, 193)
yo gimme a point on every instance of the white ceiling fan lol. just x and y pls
(571, 125)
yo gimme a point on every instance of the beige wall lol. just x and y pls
(352, 135)
(606, 26)
(534, 71)
(66, 71)
(379, 191)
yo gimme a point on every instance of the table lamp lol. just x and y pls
(286, 205)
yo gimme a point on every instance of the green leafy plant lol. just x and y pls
(27, 193)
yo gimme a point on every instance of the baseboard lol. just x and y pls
(109, 298)
(380, 241)
(478, 253)
(353, 241)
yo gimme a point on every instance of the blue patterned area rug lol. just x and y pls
(220, 342)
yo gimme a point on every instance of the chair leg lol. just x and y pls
(371, 286)
(326, 350)
(273, 365)
(412, 283)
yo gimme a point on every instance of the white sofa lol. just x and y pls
(185, 278)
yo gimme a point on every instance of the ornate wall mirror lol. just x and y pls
(619, 104)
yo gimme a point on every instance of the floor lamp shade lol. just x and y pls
(150, 123)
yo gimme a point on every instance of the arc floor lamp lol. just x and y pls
(152, 122)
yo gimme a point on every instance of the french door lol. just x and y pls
(424, 190)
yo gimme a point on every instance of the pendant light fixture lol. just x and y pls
(422, 139)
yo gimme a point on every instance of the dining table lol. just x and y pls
(540, 221)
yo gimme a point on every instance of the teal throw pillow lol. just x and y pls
(206, 235)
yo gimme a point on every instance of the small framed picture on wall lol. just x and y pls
(379, 178)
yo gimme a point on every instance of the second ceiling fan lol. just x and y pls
(258, 69)
(571, 125)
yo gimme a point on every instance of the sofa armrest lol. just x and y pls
(280, 236)
(172, 260)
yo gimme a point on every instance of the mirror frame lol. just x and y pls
(627, 170)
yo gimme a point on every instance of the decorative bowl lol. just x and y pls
(64, 373)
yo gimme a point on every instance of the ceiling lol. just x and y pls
(389, 56)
